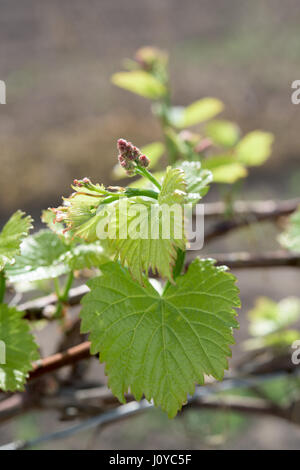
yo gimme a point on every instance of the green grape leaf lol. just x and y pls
(290, 239)
(160, 346)
(197, 180)
(224, 133)
(225, 168)
(18, 347)
(199, 111)
(153, 151)
(40, 258)
(255, 148)
(48, 218)
(85, 255)
(268, 316)
(82, 212)
(173, 187)
(229, 173)
(11, 237)
(152, 230)
(45, 255)
(140, 82)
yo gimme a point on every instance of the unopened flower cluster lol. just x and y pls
(131, 157)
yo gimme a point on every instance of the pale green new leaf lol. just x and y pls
(141, 83)
(149, 236)
(255, 148)
(48, 217)
(197, 180)
(17, 349)
(161, 346)
(200, 111)
(290, 239)
(222, 132)
(173, 188)
(225, 168)
(229, 173)
(82, 212)
(13, 232)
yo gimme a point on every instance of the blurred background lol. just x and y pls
(63, 117)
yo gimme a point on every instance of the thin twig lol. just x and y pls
(246, 213)
(203, 398)
(267, 260)
(58, 360)
(119, 413)
(34, 308)
(269, 209)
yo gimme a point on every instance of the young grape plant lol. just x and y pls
(159, 325)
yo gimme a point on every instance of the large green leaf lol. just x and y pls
(12, 235)
(255, 148)
(18, 348)
(199, 111)
(152, 230)
(290, 239)
(160, 346)
(141, 83)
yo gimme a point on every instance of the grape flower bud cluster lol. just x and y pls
(130, 157)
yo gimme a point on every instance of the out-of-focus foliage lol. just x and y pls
(219, 144)
(290, 239)
(269, 321)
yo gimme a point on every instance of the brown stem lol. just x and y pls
(268, 209)
(273, 259)
(245, 214)
(56, 361)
